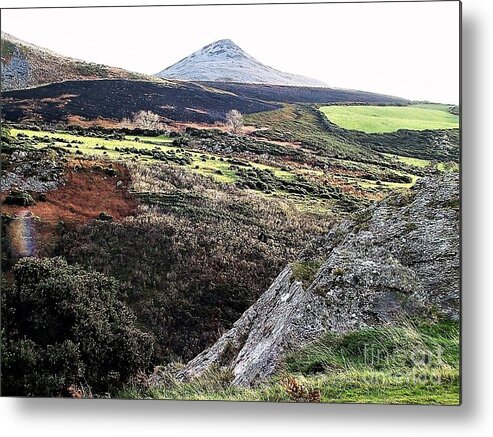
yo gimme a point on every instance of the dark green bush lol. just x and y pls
(20, 198)
(62, 325)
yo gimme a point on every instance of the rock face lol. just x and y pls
(224, 61)
(400, 257)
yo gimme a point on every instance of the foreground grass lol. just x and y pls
(379, 119)
(404, 365)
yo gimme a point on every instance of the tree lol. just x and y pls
(234, 120)
(147, 120)
(63, 326)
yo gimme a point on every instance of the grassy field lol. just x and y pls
(283, 179)
(380, 119)
(298, 123)
(412, 364)
(416, 162)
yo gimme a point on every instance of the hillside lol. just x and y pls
(399, 258)
(195, 225)
(224, 61)
(304, 94)
(26, 65)
(115, 99)
(177, 101)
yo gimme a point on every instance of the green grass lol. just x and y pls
(202, 163)
(297, 123)
(215, 168)
(158, 140)
(305, 271)
(411, 364)
(90, 144)
(380, 119)
(414, 162)
(448, 166)
(423, 163)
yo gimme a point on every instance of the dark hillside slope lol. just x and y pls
(116, 99)
(304, 94)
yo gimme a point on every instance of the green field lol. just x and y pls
(380, 119)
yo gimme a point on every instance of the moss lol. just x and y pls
(338, 271)
(305, 271)
(401, 198)
(453, 203)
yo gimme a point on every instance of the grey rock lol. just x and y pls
(400, 257)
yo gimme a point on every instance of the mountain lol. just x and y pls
(26, 65)
(399, 258)
(224, 61)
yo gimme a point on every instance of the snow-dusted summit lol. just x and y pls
(224, 61)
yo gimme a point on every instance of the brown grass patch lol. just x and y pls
(87, 192)
(76, 120)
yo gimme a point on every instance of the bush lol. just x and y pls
(65, 326)
(5, 136)
(20, 198)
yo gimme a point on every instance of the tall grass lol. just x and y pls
(411, 364)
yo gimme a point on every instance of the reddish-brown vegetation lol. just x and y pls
(88, 190)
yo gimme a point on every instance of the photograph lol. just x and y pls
(241, 202)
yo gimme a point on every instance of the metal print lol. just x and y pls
(238, 202)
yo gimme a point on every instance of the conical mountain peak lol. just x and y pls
(225, 61)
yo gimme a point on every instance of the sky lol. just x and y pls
(408, 50)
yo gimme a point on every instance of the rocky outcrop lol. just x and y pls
(30, 169)
(398, 258)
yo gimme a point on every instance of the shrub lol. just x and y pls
(20, 198)
(65, 326)
(5, 136)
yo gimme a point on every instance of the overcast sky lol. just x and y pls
(405, 49)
